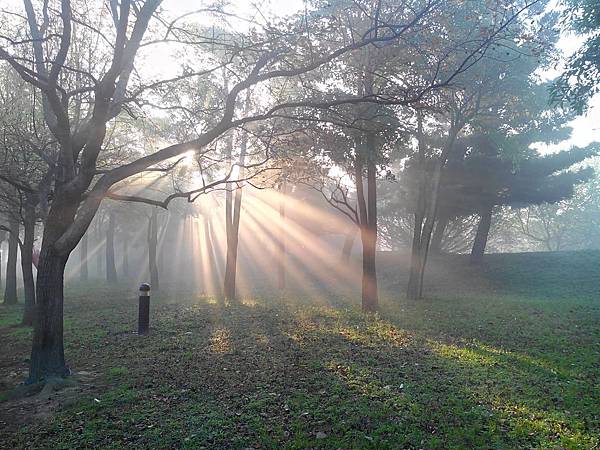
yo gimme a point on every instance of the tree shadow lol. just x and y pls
(278, 374)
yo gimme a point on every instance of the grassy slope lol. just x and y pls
(507, 357)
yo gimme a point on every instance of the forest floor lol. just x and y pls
(507, 356)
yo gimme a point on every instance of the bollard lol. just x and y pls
(144, 309)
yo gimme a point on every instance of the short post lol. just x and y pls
(144, 309)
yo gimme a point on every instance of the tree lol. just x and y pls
(480, 94)
(538, 179)
(496, 164)
(111, 268)
(26, 151)
(580, 80)
(401, 76)
(152, 248)
(81, 100)
(233, 210)
(10, 287)
(570, 224)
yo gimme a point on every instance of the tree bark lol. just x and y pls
(10, 288)
(412, 291)
(47, 351)
(438, 234)
(367, 208)
(83, 259)
(111, 269)
(27, 264)
(233, 231)
(483, 231)
(422, 238)
(428, 227)
(370, 298)
(47, 354)
(1, 242)
(152, 243)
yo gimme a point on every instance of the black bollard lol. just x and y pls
(144, 309)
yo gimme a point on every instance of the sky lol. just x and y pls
(586, 128)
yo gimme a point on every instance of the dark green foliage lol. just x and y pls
(485, 177)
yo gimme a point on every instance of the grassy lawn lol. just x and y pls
(506, 357)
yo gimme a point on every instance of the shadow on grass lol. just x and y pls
(283, 374)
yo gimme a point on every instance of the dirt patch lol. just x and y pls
(24, 405)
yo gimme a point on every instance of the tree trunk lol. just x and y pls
(111, 269)
(125, 257)
(483, 231)
(97, 248)
(281, 269)
(369, 278)
(1, 242)
(348, 245)
(152, 243)
(438, 234)
(234, 229)
(370, 298)
(27, 264)
(10, 288)
(209, 264)
(412, 291)
(228, 287)
(422, 237)
(426, 235)
(47, 354)
(83, 259)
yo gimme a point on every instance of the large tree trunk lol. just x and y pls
(233, 231)
(83, 259)
(152, 243)
(438, 234)
(412, 291)
(27, 264)
(369, 277)
(47, 354)
(370, 299)
(10, 288)
(111, 268)
(232, 250)
(47, 351)
(483, 231)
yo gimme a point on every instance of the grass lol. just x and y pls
(505, 357)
